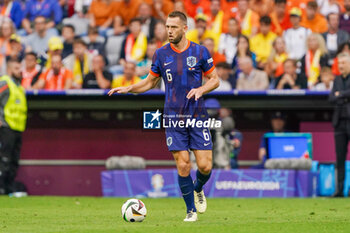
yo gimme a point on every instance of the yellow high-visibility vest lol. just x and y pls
(15, 109)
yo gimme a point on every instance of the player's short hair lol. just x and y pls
(69, 26)
(294, 62)
(265, 20)
(280, 1)
(313, 5)
(180, 15)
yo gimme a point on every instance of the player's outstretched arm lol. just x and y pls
(140, 87)
(212, 83)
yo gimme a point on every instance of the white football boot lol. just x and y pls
(191, 217)
(200, 201)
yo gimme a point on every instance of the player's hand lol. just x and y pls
(196, 93)
(119, 90)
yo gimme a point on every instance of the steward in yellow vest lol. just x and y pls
(13, 117)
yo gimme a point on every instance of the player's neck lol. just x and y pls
(181, 46)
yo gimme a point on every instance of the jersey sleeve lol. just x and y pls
(155, 67)
(207, 64)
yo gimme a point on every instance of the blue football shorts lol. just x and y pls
(178, 139)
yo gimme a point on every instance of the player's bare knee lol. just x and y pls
(205, 169)
(184, 168)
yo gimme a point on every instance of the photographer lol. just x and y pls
(227, 141)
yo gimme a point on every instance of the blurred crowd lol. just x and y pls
(255, 44)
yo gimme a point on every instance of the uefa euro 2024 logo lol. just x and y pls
(151, 120)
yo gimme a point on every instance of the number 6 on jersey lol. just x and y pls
(168, 75)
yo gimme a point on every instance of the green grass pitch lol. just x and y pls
(100, 215)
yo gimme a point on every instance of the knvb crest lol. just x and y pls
(191, 61)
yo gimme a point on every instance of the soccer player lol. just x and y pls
(181, 64)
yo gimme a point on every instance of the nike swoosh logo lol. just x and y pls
(205, 144)
(165, 64)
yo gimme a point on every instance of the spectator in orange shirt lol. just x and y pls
(161, 8)
(127, 9)
(314, 20)
(210, 45)
(248, 19)
(195, 7)
(31, 71)
(262, 7)
(56, 78)
(298, 3)
(229, 7)
(101, 13)
(280, 17)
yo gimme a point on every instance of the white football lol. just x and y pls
(134, 210)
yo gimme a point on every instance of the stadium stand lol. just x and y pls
(36, 21)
